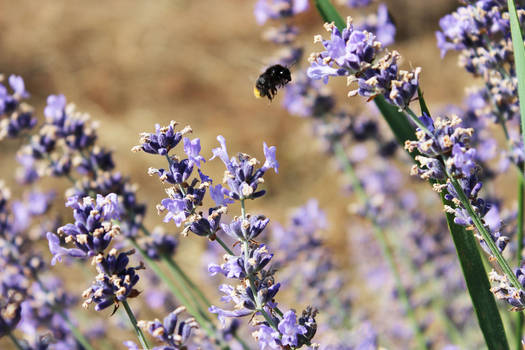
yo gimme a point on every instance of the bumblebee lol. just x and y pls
(273, 78)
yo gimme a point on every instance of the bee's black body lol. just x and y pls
(274, 77)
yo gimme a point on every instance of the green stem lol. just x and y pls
(519, 316)
(133, 322)
(184, 279)
(385, 247)
(176, 292)
(74, 329)
(179, 274)
(224, 246)
(189, 286)
(76, 332)
(15, 341)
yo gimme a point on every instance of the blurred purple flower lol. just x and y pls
(357, 3)
(55, 109)
(17, 84)
(271, 162)
(276, 9)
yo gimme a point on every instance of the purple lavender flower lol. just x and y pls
(192, 149)
(271, 162)
(381, 25)
(206, 226)
(176, 210)
(10, 310)
(468, 25)
(178, 172)
(47, 308)
(17, 84)
(217, 193)
(246, 229)
(58, 251)
(463, 161)
(290, 330)
(309, 218)
(55, 109)
(93, 229)
(18, 115)
(480, 31)
(65, 123)
(445, 138)
(354, 53)
(114, 282)
(241, 176)
(159, 244)
(502, 289)
(172, 331)
(98, 159)
(162, 141)
(276, 9)
(266, 337)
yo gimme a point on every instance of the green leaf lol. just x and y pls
(477, 284)
(422, 103)
(397, 121)
(519, 60)
(519, 57)
(466, 247)
(330, 14)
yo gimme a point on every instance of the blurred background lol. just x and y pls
(132, 64)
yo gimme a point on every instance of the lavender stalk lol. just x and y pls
(519, 252)
(133, 322)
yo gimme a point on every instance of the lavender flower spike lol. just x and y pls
(355, 53)
(114, 282)
(162, 141)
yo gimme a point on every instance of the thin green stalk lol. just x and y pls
(133, 322)
(224, 246)
(519, 59)
(173, 289)
(76, 332)
(15, 341)
(519, 317)
(74, 329)
(385, 247)
(187, 284)
(181, 277)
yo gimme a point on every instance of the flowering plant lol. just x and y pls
(270, 286)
